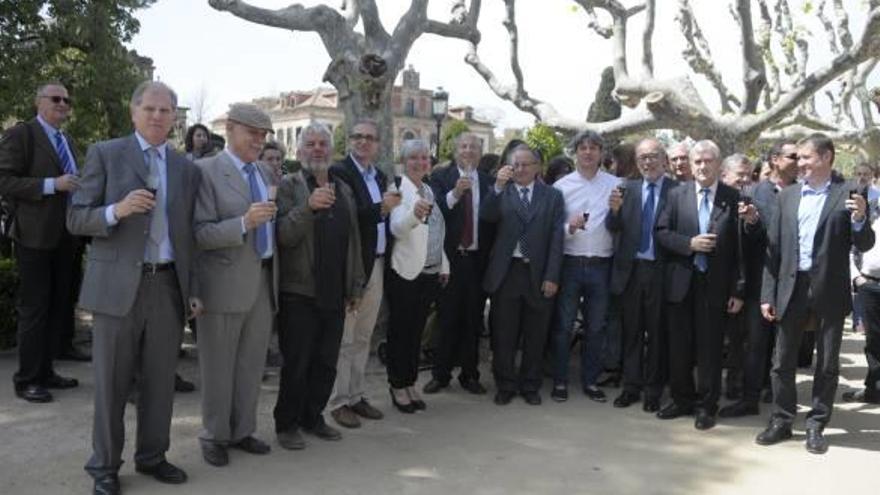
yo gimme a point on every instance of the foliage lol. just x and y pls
(454, 129)
(8, 286)
(546, 140)
(340, 141)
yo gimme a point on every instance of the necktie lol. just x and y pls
(647, 220)
(158, 225)
(524, 206)
(467, 228)
(261, 239)
(66, 162)
(700, 259)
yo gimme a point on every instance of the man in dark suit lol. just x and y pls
(637, 276)
(807, 278)
(38, 171)
(523, 271)
(137, 282)
(698, 233)
(459, 189)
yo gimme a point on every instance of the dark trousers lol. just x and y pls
(309, 339)
(829, 333)
(68, 331)
(644, 342)
(45, 308)
(696, 337)
(758, 350)
(408, 304)
(518, 314)
(734, 349)
(461, 320)
(870, 293)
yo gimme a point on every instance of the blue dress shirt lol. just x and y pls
(369, 176)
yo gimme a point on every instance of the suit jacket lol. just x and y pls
(229, 270)
(679, 222)
(829, 274)
(627, 224)
(411, 235)
(443, 180)
(754, 250)
(544, 234)
(39, 220)
(369, 213)
(115, 257)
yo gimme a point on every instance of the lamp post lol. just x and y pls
(439, 107)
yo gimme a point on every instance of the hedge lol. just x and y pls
(8, 285)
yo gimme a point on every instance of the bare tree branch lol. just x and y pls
(754, 78)
(647, 40)
(373, 28)
(463, 24)
(352, 11)
(765, 36)
(603, 31)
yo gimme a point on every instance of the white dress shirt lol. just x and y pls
(451, 201)
(584, 195)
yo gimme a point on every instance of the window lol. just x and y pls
(410, 110)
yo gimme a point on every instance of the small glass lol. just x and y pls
(331, 186)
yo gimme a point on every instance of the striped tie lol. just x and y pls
(66, 162)
(524, 207)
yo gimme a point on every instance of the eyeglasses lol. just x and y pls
(650, 157)
(791, 156)
(363, 137)
(58, 99)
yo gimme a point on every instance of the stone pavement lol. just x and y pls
(462, 444)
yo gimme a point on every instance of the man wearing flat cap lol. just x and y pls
(235, 232)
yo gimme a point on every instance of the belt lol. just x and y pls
(524, 261)
(466, 252)
(266, 262)
(589, 260)
(645, 262)
(153, 268)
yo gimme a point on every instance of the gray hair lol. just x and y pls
(313, 127)
(680, 144)
(366, 121)
(41, 89)
(138, 95)
(734, 160)
(523, 147)
(412, 146)
(465, 136)
(705, 145)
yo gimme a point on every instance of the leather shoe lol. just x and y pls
(291, 440)
(559, 393)
(252, 445)
(651, 405)
(473, 386)
(73, 354)
(407, 408)
(324, 431)
(365, 410)
(34, 393)
(344, 416)
(595, 393)
(861, 395)
(673, 411)
(215, 454)
(816, 443)
(704, 420)
(183, 386)
(775, 433)
(503, 397)
(107, 485)
(626, 399)
(164, 472)
(434, 386)
(60, 382)
(739, 409)
(532, 398)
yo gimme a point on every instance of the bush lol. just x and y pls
(8, 286)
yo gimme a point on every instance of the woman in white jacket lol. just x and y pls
(418, 268)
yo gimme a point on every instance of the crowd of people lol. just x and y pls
(677, 263)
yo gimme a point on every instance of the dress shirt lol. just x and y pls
(648, 254)
(517, 252)
(264, 196)
(870, 259)
(49, 182)
(699, 195)
(451, 201)
(369, 176)
(809, 211)
(591, 196)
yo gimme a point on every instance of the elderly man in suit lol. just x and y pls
(523, 271)
(807, 278)
(637, 276)
(698, 231)
(234, 230)
(38, 172)
(460, 188)
(136, 200)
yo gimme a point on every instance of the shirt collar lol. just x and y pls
(365, 171)
(145, 145)
(712, 189)
(466, 173)
(529, 187)
(50, 129)
(239, 163)
(657, 183)
(808, 189)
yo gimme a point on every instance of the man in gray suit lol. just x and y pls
(136, 201)
(235, 233)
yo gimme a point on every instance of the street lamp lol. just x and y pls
(439, 107)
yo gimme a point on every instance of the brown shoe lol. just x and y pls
(346, 417)
(365, 410)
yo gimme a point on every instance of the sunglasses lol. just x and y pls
(363, 137)
(58, 99)
(791, 156)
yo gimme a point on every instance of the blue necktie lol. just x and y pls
(261, 244)
(700, 259)
(647, 220)
(524, 210)
(63, 155)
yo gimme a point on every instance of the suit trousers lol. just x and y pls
(870, 293)
(696, 337)
(44, 305)
(355, 349)
(309, 338)
(735, 334)
(232, 356)
(758, 351)
(644, 341)
(519, 314)
(829, 333)
(143, 343)
(461, 320)
(408, 304)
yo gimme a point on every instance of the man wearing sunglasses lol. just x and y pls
(38, 170)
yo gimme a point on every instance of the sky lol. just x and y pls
(217, 58)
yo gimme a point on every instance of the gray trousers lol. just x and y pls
(232, 355)
(143, 343)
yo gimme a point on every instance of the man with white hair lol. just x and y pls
(679, 162)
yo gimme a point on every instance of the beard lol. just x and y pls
(317, 166)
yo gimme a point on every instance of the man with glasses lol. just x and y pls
(38, 173)
(373, 203)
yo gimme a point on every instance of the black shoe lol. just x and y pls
(182, 386)
(861, 395)
(73, 354)
(774, 433)
(434, 386)
(559, 393)
(626, 399)
(651, 405)
(595, 393)
(532, 398)
(503, 397)
(34, 393)
(107, 485)
(610, 379)
(816, 443)
(164, 472)
(291, 440)
(674, 410)
(704, 420)
(404, 408)
(739, 409)
(733, 393)
(60, 382)
(252, 445)
(324, 431)
(473, 386)
(215, 454)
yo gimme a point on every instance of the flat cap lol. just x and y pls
(250, 115)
